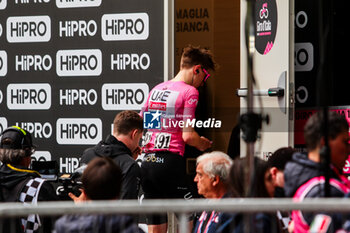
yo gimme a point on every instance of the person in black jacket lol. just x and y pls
(101, 181)
(305, 174)
(18, 183)
(123, 147)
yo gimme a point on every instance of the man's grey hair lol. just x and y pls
(12, 156)
(216, 163)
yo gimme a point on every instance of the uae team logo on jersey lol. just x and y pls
(151, 120)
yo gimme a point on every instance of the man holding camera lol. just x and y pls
(101, 180)
(18, 183)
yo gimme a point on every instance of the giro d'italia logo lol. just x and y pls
(266, 25)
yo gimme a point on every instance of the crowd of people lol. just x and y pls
(111, 172)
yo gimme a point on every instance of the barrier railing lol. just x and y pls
(181, 207)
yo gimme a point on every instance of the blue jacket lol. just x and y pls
(258, 222)
(217, 222)
(208, 222)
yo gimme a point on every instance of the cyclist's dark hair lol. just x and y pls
(192, 56)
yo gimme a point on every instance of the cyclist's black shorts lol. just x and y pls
(163, 176)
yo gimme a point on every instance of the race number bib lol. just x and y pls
(146, 138)
(162, 141)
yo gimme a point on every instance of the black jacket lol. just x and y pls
(12, 183)
(122, 156)
(300, 170)
(96, 224)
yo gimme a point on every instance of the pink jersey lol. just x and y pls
(176, 101)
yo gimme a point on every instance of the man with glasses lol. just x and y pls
(18, 183)
(169, 114)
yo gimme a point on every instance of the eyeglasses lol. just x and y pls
(207, 75)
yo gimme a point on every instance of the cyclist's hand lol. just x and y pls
(205, 144)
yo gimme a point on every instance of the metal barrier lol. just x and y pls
(183, 208)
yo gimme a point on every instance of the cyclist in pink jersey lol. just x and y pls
(169, 116)
(176, 101)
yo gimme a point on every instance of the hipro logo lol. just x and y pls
(80, 62)
(33, 62)
(68, 164)
(130, 61)
(78, 96)
(37, 129)
(77, 3)
(3, 124)
(124, 96)
(3, 63)
(133, 26)
(28, 29)
(3, 4)
(24, 96)
(78, 131)
(33, 1)
(77, 28)
(152, 120)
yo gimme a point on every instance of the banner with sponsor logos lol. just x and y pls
(67, 67)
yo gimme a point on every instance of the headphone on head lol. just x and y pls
(20, 140)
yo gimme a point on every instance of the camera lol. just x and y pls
(64, 184)
(69, 183)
